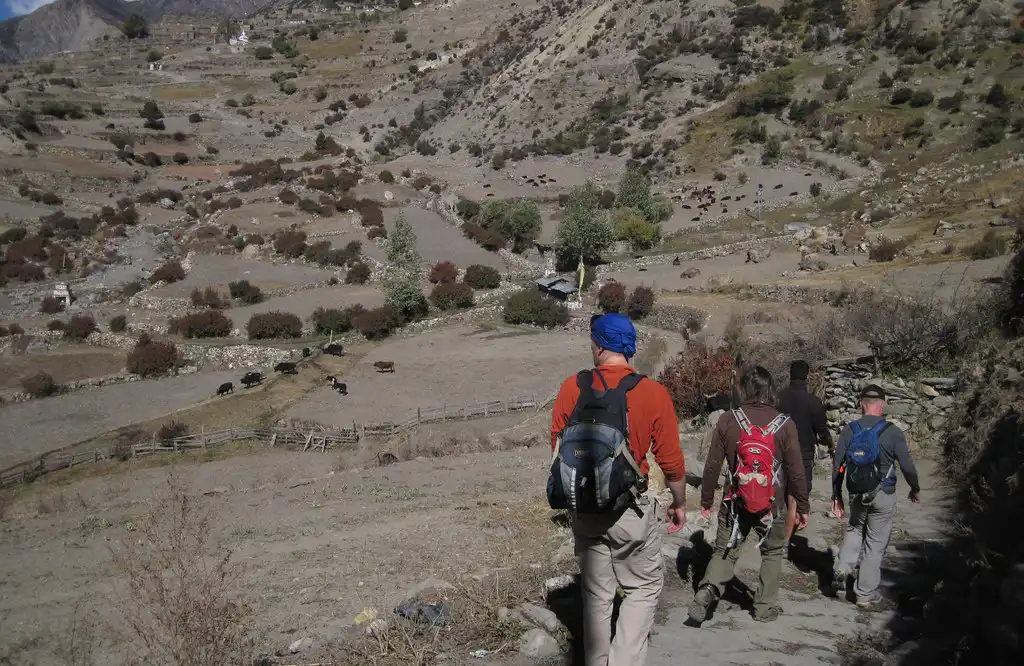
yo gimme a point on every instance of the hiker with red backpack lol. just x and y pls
(761, 450)
(604, 422)
(867, 454)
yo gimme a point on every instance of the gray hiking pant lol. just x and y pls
(867, 537)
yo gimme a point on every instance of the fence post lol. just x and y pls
(202, 435)
(444, 412)
(485, 410)
(419, 418)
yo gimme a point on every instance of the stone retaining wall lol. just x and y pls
(705, 253)
(920, 408)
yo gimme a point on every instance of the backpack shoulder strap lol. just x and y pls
(742, 420)
(776, 424)
(880, 426)
(629, 382)
(855, 428)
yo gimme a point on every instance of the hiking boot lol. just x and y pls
(706, 596)
(768, 615)
(880, 605)
(839, 583)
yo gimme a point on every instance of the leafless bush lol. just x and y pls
(40, 385)
(696, 372)
(178, 606)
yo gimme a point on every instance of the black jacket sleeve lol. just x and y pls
(820, 423)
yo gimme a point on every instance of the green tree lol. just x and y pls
(150, 111)
(635, 193)
(263, 53)
(522, 223)
(772, 150)
(585, 231)
(632, 228)
(135, 27)
(493, 214)
(402, 281)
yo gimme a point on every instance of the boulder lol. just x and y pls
(943, 402)
(303, 643)
(926, 390)
(541, 617)
(538, 644)
(690, 273)
(854, 237)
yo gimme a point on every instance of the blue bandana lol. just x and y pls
(614, 332)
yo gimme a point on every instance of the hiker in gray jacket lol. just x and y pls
(867, 454)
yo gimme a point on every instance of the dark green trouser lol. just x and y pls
(723, 562)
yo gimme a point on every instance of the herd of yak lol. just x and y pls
(255, 377)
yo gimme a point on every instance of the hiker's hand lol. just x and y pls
(676, 515)
(801, 520)
(705, 514)
(837, 509)
(913, 497)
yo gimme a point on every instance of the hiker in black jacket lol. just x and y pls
(808, 413)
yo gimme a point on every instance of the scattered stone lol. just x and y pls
(542, 617)
(510, 615)
(538, 644)
(926, 390)
(377, 628)
(167, 204)
(557, 583)
(943, 402)
(303, 643)
(690, 273)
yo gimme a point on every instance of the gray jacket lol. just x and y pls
(892, 448)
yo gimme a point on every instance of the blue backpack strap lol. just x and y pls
(879, 427)
(855, 428)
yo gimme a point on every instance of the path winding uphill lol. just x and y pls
(811, 626)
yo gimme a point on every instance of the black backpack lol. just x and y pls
(593, 470)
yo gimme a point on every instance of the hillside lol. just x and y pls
(73, 25)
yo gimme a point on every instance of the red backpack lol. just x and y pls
(757, 472)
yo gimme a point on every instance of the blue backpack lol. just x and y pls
(593, 470)
(864, 474)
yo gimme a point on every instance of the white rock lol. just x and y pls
(302, 644)
(538, 644)
(542, 617)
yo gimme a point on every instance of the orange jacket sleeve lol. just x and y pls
(665, 438)
(564, 404)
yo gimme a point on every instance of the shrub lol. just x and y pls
(531, 307)
(79, 327)
(988, 247)
(901, 96)
(443, 271)
(245, 292)
(274, 325)
(118, 324)
(641, 302)
(51, 305)
(378, 323)
(15, 329)
(387, 177)
(332, 320)
(170, 272)
(169, 432)
(290, 243)
(263, 52)
(180, 158)
(359, 273)
(997, 96)
(482, 277)
(467, 209)
(887, 249)
(815, 189)
(452, 296)
(195, 118)
(921, 98)
(611, 297)
(399, 36)
(489, 239)
(13, 235)
(207, 324)
(40, 385)
(150, 357)
(4, 331)
(697, 371)
(55, 325)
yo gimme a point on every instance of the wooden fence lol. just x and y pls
(299, 437)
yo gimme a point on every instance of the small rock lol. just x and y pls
(943, 402)
(377, 628)
(510, 615)
(167, 204)
(303, 643)
(557, 583)
(926, 390)
(542, 617)
(690, 273)
(538, 644)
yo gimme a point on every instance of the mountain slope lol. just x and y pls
(65, 25)
(72, 25)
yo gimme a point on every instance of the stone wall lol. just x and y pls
(705, 253)
(919, 408)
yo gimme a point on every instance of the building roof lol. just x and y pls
(563, 287)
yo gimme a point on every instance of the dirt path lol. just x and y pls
(808, 630)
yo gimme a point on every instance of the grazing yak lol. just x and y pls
(340, 387)
(384, 458)
(250, 378)
(225, 388)
(334, 349)
(286, 368)
(385, 366)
